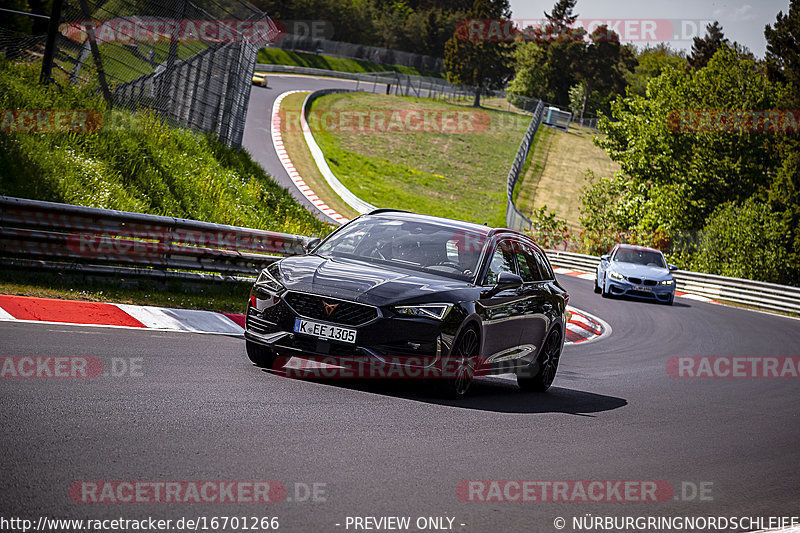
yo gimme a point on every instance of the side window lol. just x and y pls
(502, 261)
(528, 265)
(544, 266)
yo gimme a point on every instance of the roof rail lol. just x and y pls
(387, 210)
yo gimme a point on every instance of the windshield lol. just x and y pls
(428, 247)
(640, 257)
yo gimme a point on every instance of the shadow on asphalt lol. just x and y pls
(492, 394)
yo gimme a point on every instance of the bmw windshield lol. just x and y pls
(422, 246)
(640, 257)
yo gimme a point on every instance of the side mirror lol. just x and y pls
(605, 257)
(310, 245)
(506, 281)
(671, 266)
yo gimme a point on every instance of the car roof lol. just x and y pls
(637, 248)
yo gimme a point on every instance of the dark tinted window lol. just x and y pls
(502, 261)
(529, 267)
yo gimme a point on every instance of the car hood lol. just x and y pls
(364, 282)
(641, 271)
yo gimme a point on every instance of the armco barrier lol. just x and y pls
(338, 187)
(758, 294)
(41, 233)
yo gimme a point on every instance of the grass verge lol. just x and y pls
(557, 173)
(298, 151)
(145, 166)
(458, 174)
(228, 297)
(276, 56)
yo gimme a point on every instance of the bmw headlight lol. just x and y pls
(615, 275)
(436, 311)
(668, 282)
(266, 281)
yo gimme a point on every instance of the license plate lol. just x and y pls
(325, 331)
(644, 289)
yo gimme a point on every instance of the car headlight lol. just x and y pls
(436, 311)
(616, 275)
(668, 282)
(266, 281)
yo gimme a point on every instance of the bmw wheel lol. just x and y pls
(597, 283)
(548, 365)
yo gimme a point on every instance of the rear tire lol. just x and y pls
(260, 355)
(548, 365)
(465, 355)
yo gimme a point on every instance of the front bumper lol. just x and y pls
(406, 341)
(624, 287)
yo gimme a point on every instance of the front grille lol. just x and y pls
(637, 281)
(641, 294)
(347, 313)
(650, 282)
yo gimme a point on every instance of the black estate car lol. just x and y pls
(427, 296)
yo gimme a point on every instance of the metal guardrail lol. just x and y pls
(338, 187)
(514, 217)
(758, 294)
(35, 233)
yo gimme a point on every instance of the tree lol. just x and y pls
(604, 65)
(661, 141)
(703, 49)
(651, 62)
(483, 64)
(783, 47)
(562, 17)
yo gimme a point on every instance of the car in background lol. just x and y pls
(636, 271)
(418, 293)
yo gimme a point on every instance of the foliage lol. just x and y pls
(689, 173)
(481, 64)
(704, 48)
(421, 27)
(547, 229)
(652, 61)
(746, 240)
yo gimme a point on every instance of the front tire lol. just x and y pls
(548, 365)
(597, 283)
(465, 355)
(260, 355)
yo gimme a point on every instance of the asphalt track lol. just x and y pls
(257, 140)
(200, 411)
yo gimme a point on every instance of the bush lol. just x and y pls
(747, 241)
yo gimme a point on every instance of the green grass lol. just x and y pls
(147, 167)
(559, 162)
(296, 147)
(229, 297)
(276, 56)
(455, 175)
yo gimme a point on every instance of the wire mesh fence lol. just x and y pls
(189, 61)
